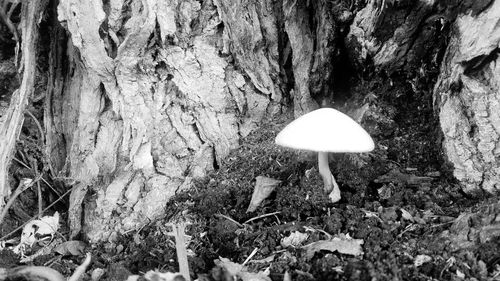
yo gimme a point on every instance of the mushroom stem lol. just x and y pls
(330, 185)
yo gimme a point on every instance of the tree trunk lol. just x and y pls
(155, 99)
(468, 100)
(466, 92)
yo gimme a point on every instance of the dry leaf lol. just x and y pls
(236, 270)
(71, 248)
(264, 186)
(406, 215)
(421, 259)
(36, 230)
(385, 192)
(342, 244)
(231, 267)
(295, 239)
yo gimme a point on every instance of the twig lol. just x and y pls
(39, 190)
(34, 167)
(229, 219)
(261, 216)
(9, 24)
(80, 270)
(38, 125)
(442, 224)
(21, 162)
(250, 256)
(180, 248)
(23, 185)
(410, 227)
(48, 207)
(42, 178)
(12, 8)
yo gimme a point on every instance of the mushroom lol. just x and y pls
(326, 130)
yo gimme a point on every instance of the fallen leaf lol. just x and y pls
(231, 267)
(236, 270)
(370, 214)
(264, 186)
(295, 239)
(342, 244)
(50, 224)
(406, 215)
(421, 259)
(71, 248)
(385, 192)
(36, 230)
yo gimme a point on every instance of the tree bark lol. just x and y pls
(468, 101)
(150, 108)
(466, 93)
(11, 123)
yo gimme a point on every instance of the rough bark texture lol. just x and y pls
(466, 93)
(468, 100)
(250, 34)
(394, 36)
(153, 99)
(302, 44)
(11, 123)
(471, 228)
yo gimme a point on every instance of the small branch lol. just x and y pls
(8, 23)
(23, 185)
(229, 219)
(42, 178)
(261, 217)
(250, 256)
(39, 190)
(34, 167)
(80, 270)
(180, 247)
(38, 125)
(12, 8)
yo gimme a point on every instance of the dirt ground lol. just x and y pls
(414, 221)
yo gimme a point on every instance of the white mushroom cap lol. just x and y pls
(326, 130)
